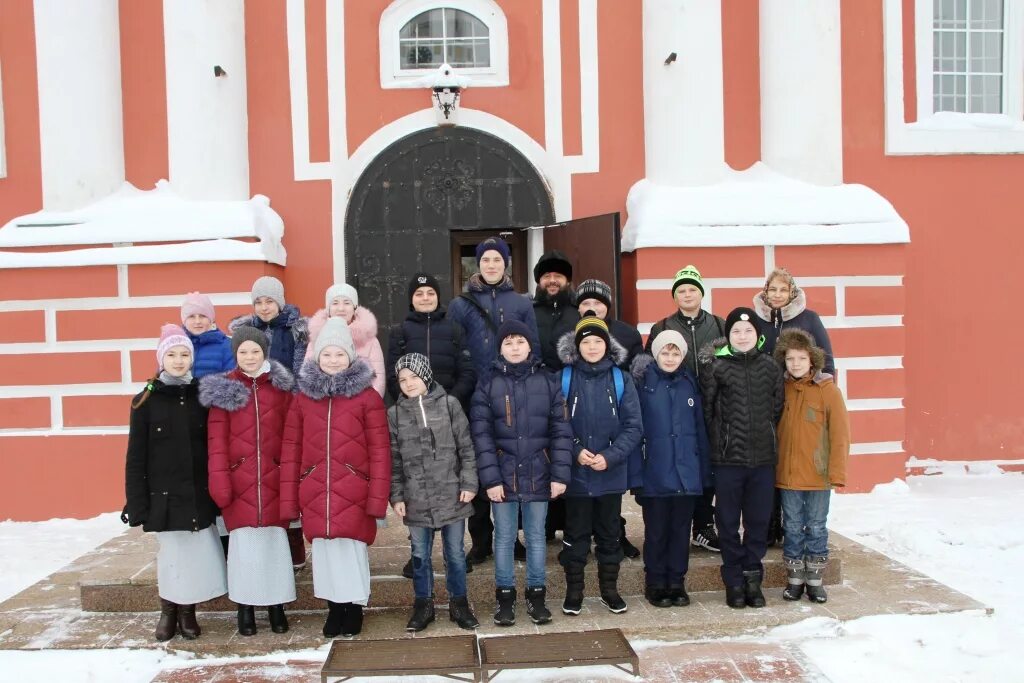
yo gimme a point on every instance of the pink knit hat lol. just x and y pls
(196, 303)
(171, 336)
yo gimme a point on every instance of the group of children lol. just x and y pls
(287, 429)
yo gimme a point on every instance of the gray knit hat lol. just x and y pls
(269, 287)
(248, 333)
(419, 364)
(594, 289)
(335, 332)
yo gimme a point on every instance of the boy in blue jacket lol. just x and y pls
(605, 416)
(522, 442)
(671, 470)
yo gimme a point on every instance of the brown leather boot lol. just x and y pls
(168, 624)
(188, 627)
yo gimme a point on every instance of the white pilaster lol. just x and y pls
(207, 115)
(684, 135)
(78, 67)
(801, 89)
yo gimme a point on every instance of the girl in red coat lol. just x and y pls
(248, 406)
(336, 469)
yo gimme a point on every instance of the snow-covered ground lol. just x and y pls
(964, 530)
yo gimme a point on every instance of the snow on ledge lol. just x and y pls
(757, 207)
(202, 231)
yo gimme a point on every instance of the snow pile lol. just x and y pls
(201, 231)
(755, 207)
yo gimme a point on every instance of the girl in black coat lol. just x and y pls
(167, 491)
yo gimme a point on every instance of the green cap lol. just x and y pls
(688, 275)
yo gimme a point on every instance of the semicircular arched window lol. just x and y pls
(444, 35)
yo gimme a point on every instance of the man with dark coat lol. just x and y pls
(553, 304)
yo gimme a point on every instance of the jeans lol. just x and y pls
(743, 494)
(803, 517)
(454, 559)
(506, 523)
(594, 518)
(667, 538)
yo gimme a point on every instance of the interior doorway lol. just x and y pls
(464, 256)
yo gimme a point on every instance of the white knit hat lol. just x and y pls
(335, 332)
(270, 287)
(665, 338)
(344, 290)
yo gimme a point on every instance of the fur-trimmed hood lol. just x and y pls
(317, 384)
(796, 306)
(706, 354)
(363, 326)
(638, 368)
(226, 390)
(293, 319)
(569, 354)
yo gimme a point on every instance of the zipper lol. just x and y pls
(693, 346)
(750, 413)
(508, 411)
(308, 471)
(330, 403)
(546, 456)
(238, 463)
(259, 456)
(423, 412)
(428, 335)
(361, 475)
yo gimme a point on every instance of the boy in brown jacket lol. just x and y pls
(814, 442)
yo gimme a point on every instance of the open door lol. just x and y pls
(593, 246)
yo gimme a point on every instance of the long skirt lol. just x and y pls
(190, 566)
(341, 570)
(260, 566)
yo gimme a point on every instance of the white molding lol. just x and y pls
(123, 346)
(50, 306)
(299, 91)
(3, 144)
(863, 404)
(126, 361)
(877, 448)
(127, 389)
(949, 133)
(66, 431)
(551, 43)
(49, 326)
(869, 363)
(337, 122)
(399, 12)
(56, 412)
(852, 321)
(757, 283)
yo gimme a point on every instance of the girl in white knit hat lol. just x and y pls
(342, 301)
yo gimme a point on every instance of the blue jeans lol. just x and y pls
(803, 520)
(454, 559)
(506, 524)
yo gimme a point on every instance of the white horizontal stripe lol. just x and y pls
(80, 346)
(876, 447)
(108, 302)
(870, 363)
(860, 404)
(84, 431)
(645, 328)
(857, 321)
(105, 389)
(757, 283)
(932, 462)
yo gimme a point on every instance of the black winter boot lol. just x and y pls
(608, 580)
(752, 588)
(188, 627)
(246, 620)
(332, 627)
(677, 594)
(794, 579)
(815, 571)
(351, 619)
(574, 583)
(167, 626)
(505, 610)
(628, 549)
(735, 597)
(278, 620)
(422, 614)
(460, 612)
(658, 596)
(535, 607)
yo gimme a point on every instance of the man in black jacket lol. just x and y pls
(699, 328)
(553, 304)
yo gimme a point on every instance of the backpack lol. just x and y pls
(617, 378)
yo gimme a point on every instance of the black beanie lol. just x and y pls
(589, 326)
(511, 327)
(553, 261)
(738, 315)
(423, 280)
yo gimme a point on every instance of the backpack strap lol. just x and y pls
(480, 309)
(566, 381)
(620, 385)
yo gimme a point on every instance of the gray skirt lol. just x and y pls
(341, 570)
(260, 566)
(190, 566)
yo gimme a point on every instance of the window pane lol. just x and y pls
(464, 25)
(987, 14)
(422, 54)
(428, 38)
(949, 14)
(469, 53)
(429, 24)
(986, 94)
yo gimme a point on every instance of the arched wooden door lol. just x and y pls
(416, 192)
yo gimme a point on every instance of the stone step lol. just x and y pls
(122, 574)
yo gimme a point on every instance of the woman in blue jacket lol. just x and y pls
(522, 443)
(671, 469)
(605, 415)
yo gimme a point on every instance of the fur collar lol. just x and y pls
(317, 384)
(476, 283)
(639, 366)
(228, 391)
(363, 326)
(707, 352)
(795, 307)
(819, 378)
(293, 320)
(569, 354)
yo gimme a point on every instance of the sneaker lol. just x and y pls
(706, 538)
(505, 610)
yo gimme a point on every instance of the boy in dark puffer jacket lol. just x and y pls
(522, 441)
(605, 416)
(743, 395)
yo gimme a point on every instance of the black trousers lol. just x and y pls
(704, 510)
(594, 518)
(481, 529)
(667, 538)
(555, 521)
(744, 494)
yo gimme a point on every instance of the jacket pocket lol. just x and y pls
(236, 464)
(306, 472)
(359, 473)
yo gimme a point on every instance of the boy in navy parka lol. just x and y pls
(671, 470)
(522, 442)
(605, 416)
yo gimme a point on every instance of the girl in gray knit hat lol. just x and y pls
(433, 481)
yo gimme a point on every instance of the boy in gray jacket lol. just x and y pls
(433, 481)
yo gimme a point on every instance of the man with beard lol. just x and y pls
(554, 305)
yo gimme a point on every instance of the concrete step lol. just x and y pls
(121, 574)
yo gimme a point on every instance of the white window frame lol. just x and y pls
(3, 142)
(400, 12)
(950, 132)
